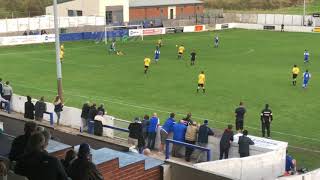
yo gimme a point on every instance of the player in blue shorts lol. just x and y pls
(306, 56)
(306, 78)
(157, 54)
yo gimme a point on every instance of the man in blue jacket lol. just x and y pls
(152, 130)
(179, 132)
(166, 129)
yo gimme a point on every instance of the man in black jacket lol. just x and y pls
(84, 116)
(226, 139)
(28, 109)
(82, 168)
(203, 136)
(266, 118)
(19, 143)
(244, 143)
(36, 164)
(135, 134)
(91, 115)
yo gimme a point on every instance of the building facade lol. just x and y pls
(123, 11)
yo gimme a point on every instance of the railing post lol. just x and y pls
(208, 155)
(167, 149)
(51, 119)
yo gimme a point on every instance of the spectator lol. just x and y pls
(7, 91)
(225, 142)
(152, 130)
(146, 152)
(135, 134)
(36, 164)
(3, 170)
(291, 164)
(203, 136)
(25, 33)
(166, 129)
(19, 143)
(82, 168)
(266, 119)
(40, 108)
(1, 86)
(84, 116)
(244, 143)
(28, 109)
(70, 156)
(187, 120)
(191, 136)
(145, 125)
(58, 107)
(239, 113)
(6, 104)
(101, 108)
(179, 132)
(91, 115)
(99, 117)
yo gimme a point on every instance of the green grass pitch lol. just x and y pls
(249, 66)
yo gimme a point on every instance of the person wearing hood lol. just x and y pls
(225, 142)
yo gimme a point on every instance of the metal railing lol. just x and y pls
(168, 141)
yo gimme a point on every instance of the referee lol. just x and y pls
(266, 118)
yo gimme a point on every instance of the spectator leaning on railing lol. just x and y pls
(244, 144)
(84, 115)
(6, 104)
(135, 134)
(39, 109)
(7, 91)
(203, 136)
(225, 142)
(145, 125)
(179, 132)
(191, 136)
(166, 129)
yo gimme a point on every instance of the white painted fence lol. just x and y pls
(46, 22)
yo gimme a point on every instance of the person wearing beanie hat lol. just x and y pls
(135, 134)
(203, 136)
(83, 162)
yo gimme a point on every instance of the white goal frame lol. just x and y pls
(107, 28)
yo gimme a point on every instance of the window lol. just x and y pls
(79, 13)
(70, 13)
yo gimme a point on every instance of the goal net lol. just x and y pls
(122, 33)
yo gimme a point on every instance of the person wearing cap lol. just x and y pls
(152, 130)
(166, 129)
(266, 118)
(203, 136)
(225, 142)
(179, 132)
(244, 144)
(135, 134)
(82, 168)
(191, 136)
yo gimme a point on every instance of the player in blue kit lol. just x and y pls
(157, 54)
(306, 56)
(306, 78)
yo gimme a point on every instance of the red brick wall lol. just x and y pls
(155, 12)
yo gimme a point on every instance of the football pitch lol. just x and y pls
(249, 66)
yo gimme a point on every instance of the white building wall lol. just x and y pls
(91, 7)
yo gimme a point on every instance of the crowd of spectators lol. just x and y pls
(29, 158)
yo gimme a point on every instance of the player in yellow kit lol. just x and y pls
(159, 43)
(146, 64)
(61, 52)
(295, 73)
(181, 50)
(201, 81)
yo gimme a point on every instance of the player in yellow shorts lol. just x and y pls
(160, 43)
(181, 50)
(146, 64)
(201, 81)
(295, 73)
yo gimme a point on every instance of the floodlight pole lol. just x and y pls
(57, 39)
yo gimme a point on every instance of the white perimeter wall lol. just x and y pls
(313, 175)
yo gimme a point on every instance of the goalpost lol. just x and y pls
(134, 32)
